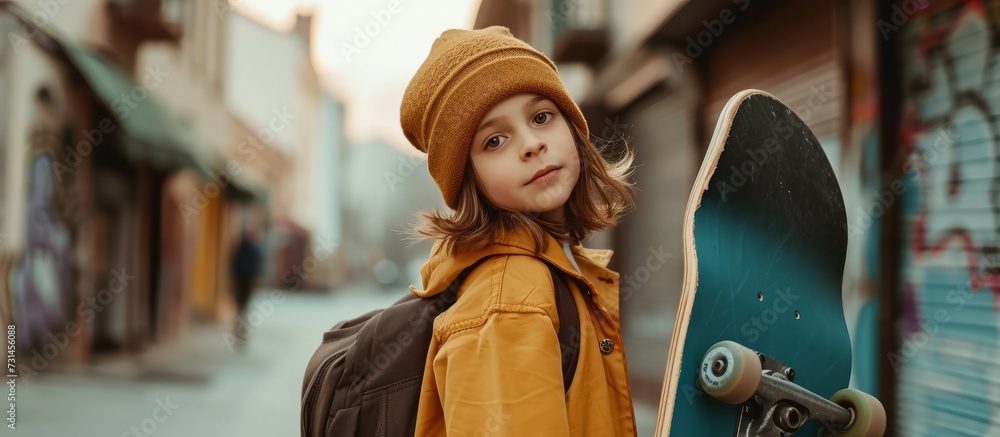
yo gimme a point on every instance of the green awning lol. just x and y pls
(152, 132)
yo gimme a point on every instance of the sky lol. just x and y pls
(366, 51)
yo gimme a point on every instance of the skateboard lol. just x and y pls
(760, 345)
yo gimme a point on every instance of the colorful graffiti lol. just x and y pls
(41, 279)
(951, 276)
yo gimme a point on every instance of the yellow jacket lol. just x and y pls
(494, 366)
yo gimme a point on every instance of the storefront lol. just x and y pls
(95, 244)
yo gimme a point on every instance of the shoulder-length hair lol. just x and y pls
(601, 198)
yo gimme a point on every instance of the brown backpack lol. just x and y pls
(365, 378)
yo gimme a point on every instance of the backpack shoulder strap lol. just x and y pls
(569, 326)
(450, 294)
(569, 318)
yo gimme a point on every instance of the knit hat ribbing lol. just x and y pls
(465, 75)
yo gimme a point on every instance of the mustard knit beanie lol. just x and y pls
(467, 73)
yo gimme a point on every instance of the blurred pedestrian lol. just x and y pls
(247, 262)
(512, 156)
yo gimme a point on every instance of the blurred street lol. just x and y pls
(201, 386)
(208, 389)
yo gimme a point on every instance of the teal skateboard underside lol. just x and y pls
(770, 237)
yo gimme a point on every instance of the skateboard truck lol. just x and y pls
(774, 405)
(772, 411)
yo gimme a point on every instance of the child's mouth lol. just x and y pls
(546, 177)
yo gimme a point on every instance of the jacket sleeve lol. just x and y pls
(503, 378)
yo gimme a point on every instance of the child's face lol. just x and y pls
(519, 137)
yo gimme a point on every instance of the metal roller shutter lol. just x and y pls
(789, 53)
(949, 381)
(662, 136)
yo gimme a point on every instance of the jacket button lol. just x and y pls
(607, 346)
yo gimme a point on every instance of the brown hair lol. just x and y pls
(601, 197)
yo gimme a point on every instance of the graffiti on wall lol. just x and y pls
(41, 277)
(951, 212)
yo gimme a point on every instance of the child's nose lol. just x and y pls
(532, 146)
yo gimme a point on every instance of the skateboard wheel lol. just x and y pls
(869, 415)
(730, 372)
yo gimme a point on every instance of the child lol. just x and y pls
(511, 154)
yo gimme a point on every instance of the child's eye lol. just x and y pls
(542, 117)
(494, 142)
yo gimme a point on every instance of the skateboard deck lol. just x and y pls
(765, 240)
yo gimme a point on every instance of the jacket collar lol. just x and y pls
(442, 269)
(600, 257)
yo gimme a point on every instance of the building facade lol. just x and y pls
(127, 178)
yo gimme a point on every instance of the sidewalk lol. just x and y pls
(195, 386)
